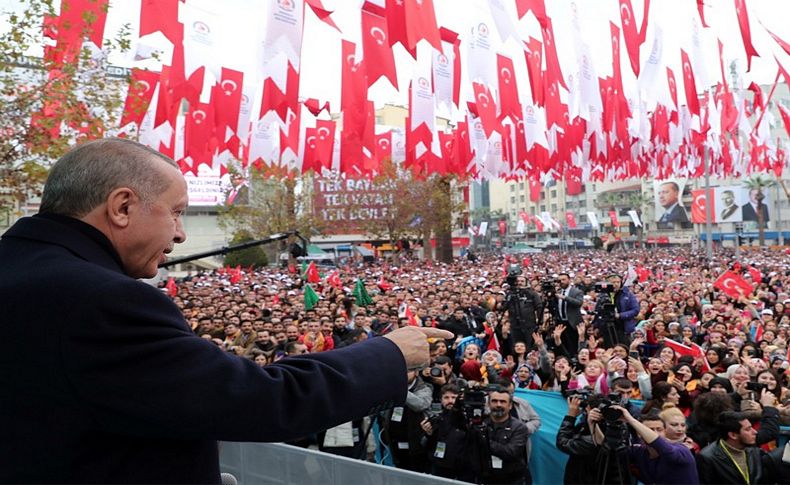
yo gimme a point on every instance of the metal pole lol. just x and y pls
(708, 208)
(778, 215)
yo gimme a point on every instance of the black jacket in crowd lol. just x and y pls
(507, 442)
(449, 428)
(576, 442)
(714, 466)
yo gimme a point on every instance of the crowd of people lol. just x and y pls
(668, 378)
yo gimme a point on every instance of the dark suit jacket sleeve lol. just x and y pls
(575, 297)
(132, 360)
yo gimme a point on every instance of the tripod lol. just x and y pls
(613, 458)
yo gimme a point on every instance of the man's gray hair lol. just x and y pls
(83, 178)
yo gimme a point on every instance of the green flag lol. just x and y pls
(304, 270)
(310, 297)
(361, 294)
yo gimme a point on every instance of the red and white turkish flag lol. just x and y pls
(376, 47)
(421, 23)
(538, 223)
(508, 89)
(199, 130)
(502, 227)
(673, 87)
(630, 33)
(746, 34)
(227, 101)
(553, 71)
(324, 142)
(698, 214)
(486, 108)
(733, 284)
(613, 218)
(141, 91)
(570, 219)
(692, 99)
(383, 146)
(533, 52)
(693, 350)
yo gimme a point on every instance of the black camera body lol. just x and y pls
(548, 287)
(435, 371)
(610, 414)
(756, 387)
(583, 395)
(513, 272)
(471, 402)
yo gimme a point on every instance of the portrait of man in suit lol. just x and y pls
(749, 209)
(730, 208)
(669, 199)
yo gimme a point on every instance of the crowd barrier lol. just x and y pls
(277, 463)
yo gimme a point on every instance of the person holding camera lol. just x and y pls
(615, 312)
(402, 428)
(569, 313)
(525, 310)
(500, 443)
(439, 374)
(446, 439)
(657, 459)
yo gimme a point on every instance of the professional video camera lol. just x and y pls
(513, 272)
(582, 394)
(471, 402)
(605, 310)
(548, 287)
(610, 414)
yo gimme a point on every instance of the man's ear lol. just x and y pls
(119, 204)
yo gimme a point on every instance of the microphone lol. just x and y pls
(228, 479)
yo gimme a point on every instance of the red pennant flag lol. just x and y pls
(701, 10)
(383, 285)
(538, 223)
(746, 34)
(553, 71)
(757, 277)
(733, 284)
(324, 142)
(631, 35)
(384, 146)
(376, 45)
(693, 350)
(784, 45)
(570, 219)
(535, 189)
(314, 106)
(690, 86)
(141, 91)
(172, 289)
(333, 279)
(412, 319)
(698, 214)
(323, 14)
(198, 132)
(312, 273)
(486, 108)
(508, 90)
(421, 23)
(757, 101)
(493, 340)
(613, 218)
(533, 53)
(235, 275)
(673, 87)
(537, 7)
(161, 16)
(227, 101)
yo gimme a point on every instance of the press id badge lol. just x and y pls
(496, 462)
(397, 414)
(402, 445)
(441, 447)
(355, 435)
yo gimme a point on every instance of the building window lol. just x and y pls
(512, 188)
(522, 198)
(521, 186)
(513, 200)
(554, 193)
(582, 203)
(543, 208)
(553, 207)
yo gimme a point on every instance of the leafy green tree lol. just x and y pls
(254, 256)
(47, 104)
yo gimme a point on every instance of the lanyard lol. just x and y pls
(744, 475)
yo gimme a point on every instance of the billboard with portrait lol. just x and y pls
(668, 196)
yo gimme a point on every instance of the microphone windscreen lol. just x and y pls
(228, 479)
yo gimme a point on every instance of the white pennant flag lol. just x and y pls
(483, 229)
(593, 220)
(653, 74)
(481, 59)
(635, 218)
(503, 19)
(520, 226)
(443, 79)
(534, 126)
